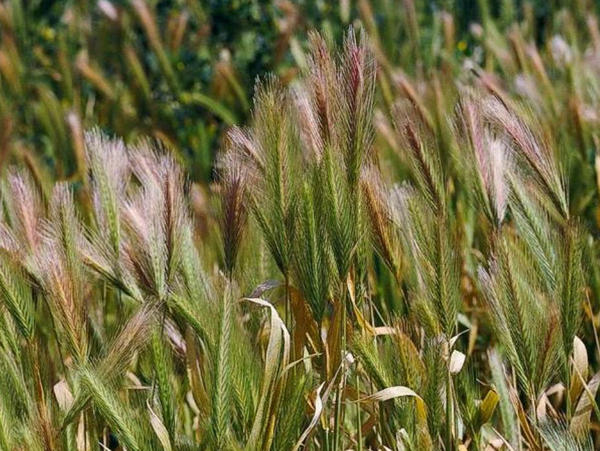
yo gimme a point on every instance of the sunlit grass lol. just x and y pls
(386, 259)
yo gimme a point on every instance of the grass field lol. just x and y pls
(368, 225)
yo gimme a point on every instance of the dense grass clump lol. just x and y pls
(387, 259)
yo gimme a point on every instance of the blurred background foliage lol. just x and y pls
(183, 71)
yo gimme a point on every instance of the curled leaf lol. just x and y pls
(276, 358)
(386, 394)
(580, 368)
(580, 423)
(159, 429)
(486, 408)
(63, 394)
(457, 360)
(314, 420)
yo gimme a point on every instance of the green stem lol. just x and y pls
(339, 417)
(358, 418)
(287, 302)
(449, 421)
